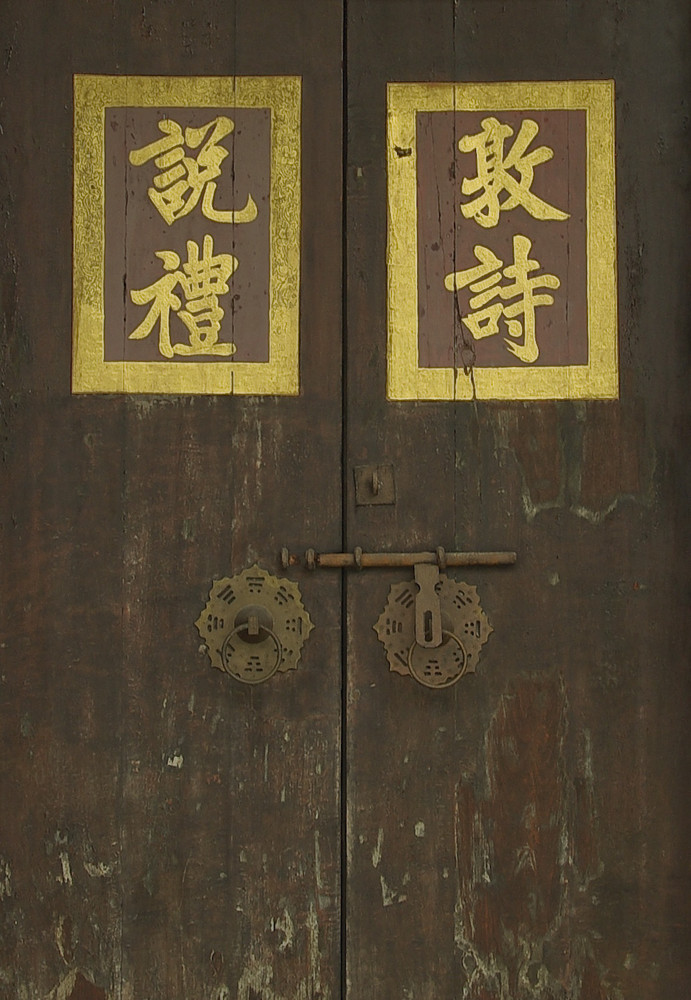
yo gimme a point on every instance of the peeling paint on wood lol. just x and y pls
(166, 836)
(76, 986)
(523, 910)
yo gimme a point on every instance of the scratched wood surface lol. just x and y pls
(164, 832)
(523, 834)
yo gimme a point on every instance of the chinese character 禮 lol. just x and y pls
(202, 281)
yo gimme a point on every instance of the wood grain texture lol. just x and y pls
(167, 835)
(522, 834)
(165, 832)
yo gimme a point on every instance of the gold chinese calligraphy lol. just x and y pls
(501, 254)
(187, 234)
(184, 179)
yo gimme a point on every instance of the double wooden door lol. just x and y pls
(341, 831)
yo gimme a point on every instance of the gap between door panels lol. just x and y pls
(344, 501)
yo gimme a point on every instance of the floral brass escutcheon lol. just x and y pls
(465, 630)
(254, 625)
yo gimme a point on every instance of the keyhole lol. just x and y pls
(428, 626)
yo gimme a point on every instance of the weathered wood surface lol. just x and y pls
(165, 832)
(523, 834)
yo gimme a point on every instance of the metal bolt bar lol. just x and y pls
(370, 560)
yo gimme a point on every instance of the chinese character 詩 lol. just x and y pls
(494, 175)
(484, 282)
(183, 179)
(202, 281)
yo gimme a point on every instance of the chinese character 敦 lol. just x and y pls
(184, 179)
(201, 281)
(494, 176)
(484, 281)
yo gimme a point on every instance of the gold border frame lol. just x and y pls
(599, 379)
(90, 373)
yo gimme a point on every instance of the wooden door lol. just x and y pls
(165, 832)
(522, 833)
(169, 833)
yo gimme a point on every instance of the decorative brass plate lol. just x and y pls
(465, 630)
(254, 625)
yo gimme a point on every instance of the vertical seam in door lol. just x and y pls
(344, 500)
(455, 411)
(119, 947)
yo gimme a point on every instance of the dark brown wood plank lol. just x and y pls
(166, 832)
(400, 886)
(522, 833)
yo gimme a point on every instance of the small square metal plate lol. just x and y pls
(374, 484)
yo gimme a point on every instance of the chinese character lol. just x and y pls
(201, 283)
(183, 180)
(493, 177)
(484, 280)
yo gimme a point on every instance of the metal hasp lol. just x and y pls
(254, 625)
(428, 630)
(433, 630)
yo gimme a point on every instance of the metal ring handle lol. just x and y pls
(446, 683)
(256, 680)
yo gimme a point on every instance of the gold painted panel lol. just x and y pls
(501, 251)
(187, 127)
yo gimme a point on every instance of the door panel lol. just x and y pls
(166, 831)
(520, 833)
(169, 833)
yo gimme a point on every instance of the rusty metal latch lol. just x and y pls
(357, 559)
(429, 633)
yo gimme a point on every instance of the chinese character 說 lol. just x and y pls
(183, 179)
(494, 175)
(202, 281)
(516, 298)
